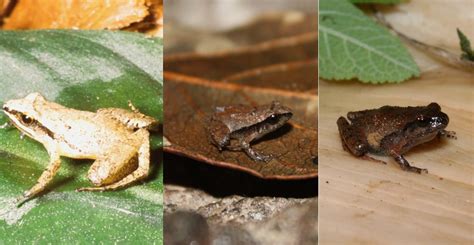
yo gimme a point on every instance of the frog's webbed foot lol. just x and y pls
(449, 134)
(406, 166)
(22, 200)
(256, 156)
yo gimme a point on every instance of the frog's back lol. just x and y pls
(379, 123)
(87, 135)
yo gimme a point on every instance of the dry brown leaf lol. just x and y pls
(152, 25)
(296, 76)
(190, 101)
(75, 14)
(273, 26)
(5, 8)
(283, 68)
(222, 64)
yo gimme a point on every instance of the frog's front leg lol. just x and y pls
(139, 173)
(46, 176)
(132, 120)
(449, 134)
(256, 156)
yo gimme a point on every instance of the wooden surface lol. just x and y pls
(364, 202)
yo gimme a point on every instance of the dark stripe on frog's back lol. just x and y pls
(43, 128)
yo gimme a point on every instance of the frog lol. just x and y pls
(392, 131)
(235, 127)
(117, 139)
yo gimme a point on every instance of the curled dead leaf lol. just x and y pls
(135, 15)
(3, 6)
(152, 24)
(31, 14)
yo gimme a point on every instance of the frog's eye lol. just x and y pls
(272, 119)
(25, 119)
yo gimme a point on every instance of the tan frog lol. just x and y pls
(113, 137)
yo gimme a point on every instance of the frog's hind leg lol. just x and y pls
(234, 145)
(140, 173)
(353, 141)
(133, 120)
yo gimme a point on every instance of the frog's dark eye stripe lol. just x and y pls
(423, 121)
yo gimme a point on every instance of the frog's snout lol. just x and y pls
(440, 122)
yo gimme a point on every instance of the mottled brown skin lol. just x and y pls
(392, 131)
(234, 127)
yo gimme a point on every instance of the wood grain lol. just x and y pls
(364, 202)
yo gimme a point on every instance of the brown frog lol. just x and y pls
(392, 131)
(234, 127)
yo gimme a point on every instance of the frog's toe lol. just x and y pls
(89, 189)
(21, 200)
(417, 170)
(264, 158)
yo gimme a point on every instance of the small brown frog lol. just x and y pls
(392, 131)
(234, 127)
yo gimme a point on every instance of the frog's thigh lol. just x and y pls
(143, 165)
(219, 134)
(132, 120)
(352, 140)
(113, 166)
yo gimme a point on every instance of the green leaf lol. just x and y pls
(468, 53)
(353, 46)
(376, 1)
(85, 70)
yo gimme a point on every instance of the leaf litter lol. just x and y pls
(283, 68)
